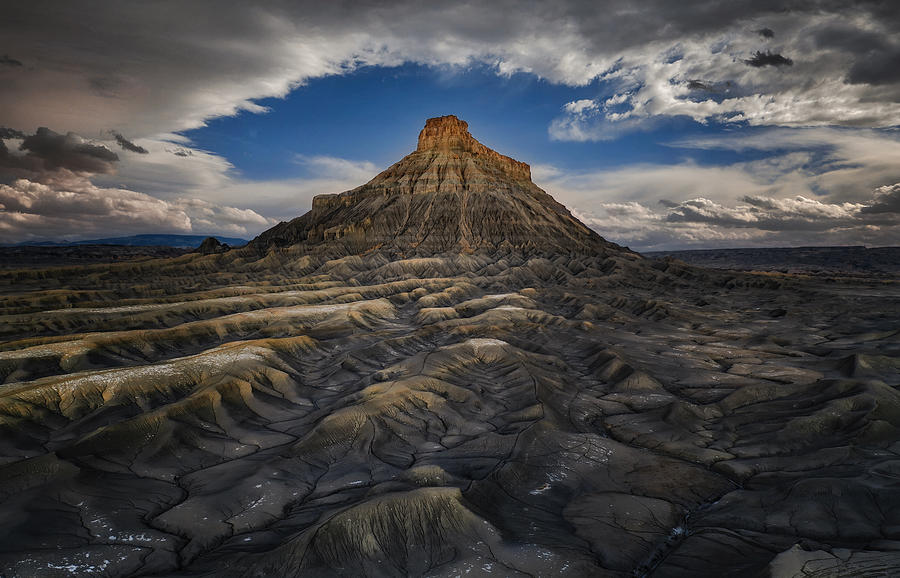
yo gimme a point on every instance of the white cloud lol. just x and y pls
(653, 182)
(852, 162)
(706, 77)
(71, 207)
(194, 62)
(771, 202)
(580, 106)
(203, 175)
(755, 221)
(326, 166)
(149, 70)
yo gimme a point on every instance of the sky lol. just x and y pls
(662, 125)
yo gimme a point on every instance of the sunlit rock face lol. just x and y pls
(449, 136)
(432, 393)
(451, 194)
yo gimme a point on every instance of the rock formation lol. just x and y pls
(451, 194)
(443, 373)
(211, 245)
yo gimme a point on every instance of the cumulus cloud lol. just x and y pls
(844, 72)
(756, 220)
(209, 218)
(768, 214)
(774, 200)
(35, 211)
(71, 207)
(200, 174)
(68, 151)
(580, 106)
(887, 200)
(46, 150)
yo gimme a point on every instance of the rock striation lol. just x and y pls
(479, 386)
(451, 194)
(448, 134)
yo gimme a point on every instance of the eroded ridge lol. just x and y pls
(451, 194)
(444, 373)
(495, 414)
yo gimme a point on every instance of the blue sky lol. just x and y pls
(375, 114)
(662, 125)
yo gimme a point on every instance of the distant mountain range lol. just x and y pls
(181, 241)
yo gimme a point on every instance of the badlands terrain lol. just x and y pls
(443, 373)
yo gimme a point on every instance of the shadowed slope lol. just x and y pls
(443, 373)
(452, 193)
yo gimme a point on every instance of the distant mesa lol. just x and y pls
(452, 194)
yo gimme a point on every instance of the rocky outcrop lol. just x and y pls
(449, 135)
(452, 194)
(211, 245)
(546, 410)
(516, 416)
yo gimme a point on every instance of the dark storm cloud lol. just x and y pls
(876, 67)
(10, 133)
(47, 151)
(760, 59)
(876, 56)
(128, 145)
(12, 165)
(766, 32)
(242, 51)
(850, 38)
(5, 60)
(887, 200)
(69, 151)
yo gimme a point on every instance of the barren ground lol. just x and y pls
(487, 414)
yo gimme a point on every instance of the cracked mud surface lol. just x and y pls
(488, 414)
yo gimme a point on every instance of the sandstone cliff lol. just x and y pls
(451, 194)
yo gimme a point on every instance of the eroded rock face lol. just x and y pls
(452, 193)
(449, 135)
(211, 245)
(534, 410)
